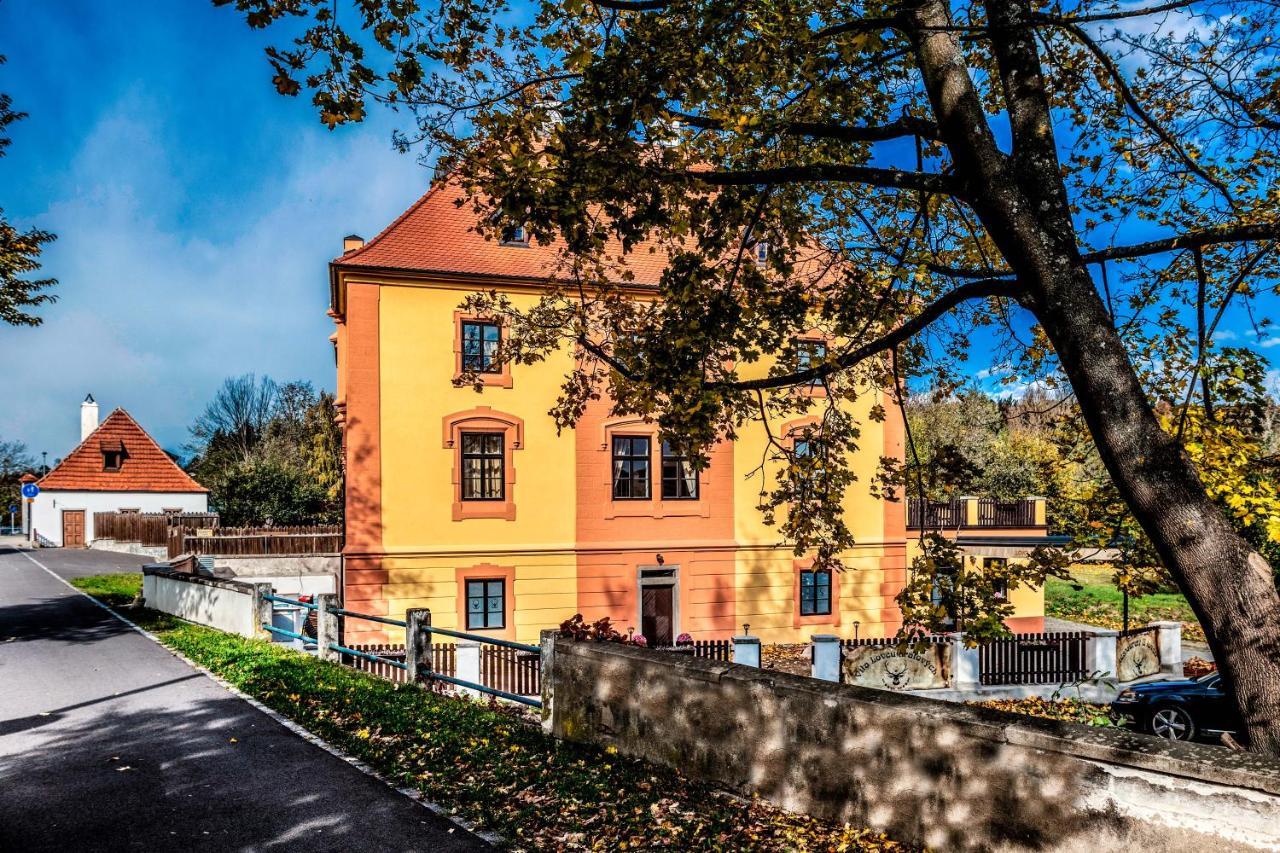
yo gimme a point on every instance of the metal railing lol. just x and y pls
(425, 671)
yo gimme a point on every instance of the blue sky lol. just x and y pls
(196, 211)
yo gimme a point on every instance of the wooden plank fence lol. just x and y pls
(319, 540)
(147, 528)
(1034, 659)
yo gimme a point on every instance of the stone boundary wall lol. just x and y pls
(227, 605)
(950, 776)
(156, 552)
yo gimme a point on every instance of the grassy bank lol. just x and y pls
(484, 764)
(1098, 602)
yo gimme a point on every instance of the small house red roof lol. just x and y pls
(143, 466)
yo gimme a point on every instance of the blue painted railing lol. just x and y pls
(385, 620)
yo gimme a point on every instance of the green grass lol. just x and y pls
(1098, 602)
(111, 589)
(490, 766)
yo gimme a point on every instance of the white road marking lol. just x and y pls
(412, 794)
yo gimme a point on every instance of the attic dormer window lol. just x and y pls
(514, 235)
(113, 456)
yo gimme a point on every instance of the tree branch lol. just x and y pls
(1112, 16)
(905, 126)
(1145, 118)
(630, 5)
(838, 172)
(898, 335)
(1194, 240)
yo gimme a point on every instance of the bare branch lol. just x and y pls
(630, 5)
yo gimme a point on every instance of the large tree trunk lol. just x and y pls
(1228, 584)
(1022, 203)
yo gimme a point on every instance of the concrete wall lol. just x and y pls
(156, 552)
(952, 777)
(48, 506)
(223, 604)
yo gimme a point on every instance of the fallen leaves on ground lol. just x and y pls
(1196, 667)
(787, 657)
(494, 769)
(1067, 710)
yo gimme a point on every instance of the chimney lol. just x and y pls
(351, 242)
(88, 416)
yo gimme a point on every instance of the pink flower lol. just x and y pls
(684, 638)
(639, 640)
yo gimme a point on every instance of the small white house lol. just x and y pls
(116, 468)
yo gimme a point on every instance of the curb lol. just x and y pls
(416, 796)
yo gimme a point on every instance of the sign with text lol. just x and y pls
(898, 668)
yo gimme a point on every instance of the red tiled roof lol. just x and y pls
(438, 235)
(146, 468)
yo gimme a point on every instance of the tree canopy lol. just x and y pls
(19, 250)
(1083, 190)
(268, 453)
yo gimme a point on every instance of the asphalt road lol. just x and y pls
(108, 742)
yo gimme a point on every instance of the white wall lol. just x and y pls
(47, 508)
(222, 604)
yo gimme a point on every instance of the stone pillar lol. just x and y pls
(1170, 643)
(327, 626)
(826, 657)
(261, 611)
(417, 644)
(1100, 654)
(965, 664)
(468, 657)
(547, 640)
(746, 651)
(1041, 511)
(970, 504)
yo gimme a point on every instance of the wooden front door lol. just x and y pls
(73, 528)
(657, 614)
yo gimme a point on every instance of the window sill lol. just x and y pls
(464, 510)
(487, 380)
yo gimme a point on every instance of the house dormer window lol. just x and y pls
(113, 456)
(514, 235)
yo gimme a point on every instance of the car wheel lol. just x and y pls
(1172, 723)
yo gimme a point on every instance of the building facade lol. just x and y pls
(473, 505)
(117, 467)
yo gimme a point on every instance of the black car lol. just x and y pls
(1180, 710)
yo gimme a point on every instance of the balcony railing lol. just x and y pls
(955, 514)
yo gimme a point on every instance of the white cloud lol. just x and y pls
(154, 311)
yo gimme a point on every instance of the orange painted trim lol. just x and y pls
(832, 618)
(501, 379)
(490, 572)
(1025, 624)
(361, 418)
(655, 506)
(484, 419)
(792, 429)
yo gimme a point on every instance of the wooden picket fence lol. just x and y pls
(148, 528)
(318, 540)
(1034, 659)
(713, 649)
(512, 670)
(443, 659)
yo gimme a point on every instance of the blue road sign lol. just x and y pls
(30, 490)
(13, 508)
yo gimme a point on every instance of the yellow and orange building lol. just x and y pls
(473, 505)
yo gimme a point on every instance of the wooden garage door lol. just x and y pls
(73, 528)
